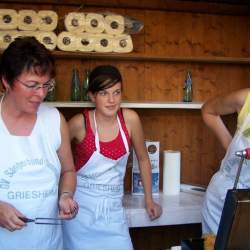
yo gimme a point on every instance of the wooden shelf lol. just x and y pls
(140, 105)
(231, 7)
(149, 58)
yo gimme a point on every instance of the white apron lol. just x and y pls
(29, 175)
(100, 222)
(224, 179)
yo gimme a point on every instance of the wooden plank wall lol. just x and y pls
(171, 33)
(163, 238)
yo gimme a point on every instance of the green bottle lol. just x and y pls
(85, 86)
(75, 86)
(187, 89)
(51, 96)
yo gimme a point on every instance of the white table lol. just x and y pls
(184, 208)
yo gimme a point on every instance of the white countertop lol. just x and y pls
(184, 208)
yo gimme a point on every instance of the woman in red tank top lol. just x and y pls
(102, 139)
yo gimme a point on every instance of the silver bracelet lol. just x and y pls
(69, 193)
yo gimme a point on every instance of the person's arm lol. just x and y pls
(68, 207)
(213, 109)
(76, 128)
(137, 136)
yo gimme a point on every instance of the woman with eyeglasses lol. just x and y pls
(104, 137)
(36, 163)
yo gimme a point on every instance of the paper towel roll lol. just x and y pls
(24, 33)
(6, 37)
(94, 23)
(85, 42)
(48, 39)
(8, 19)
(171, 172)
(104, 43)
(47, 20)
(114, 24)
(75, 22)
(122, 44)
(28, 20)
(66, 41)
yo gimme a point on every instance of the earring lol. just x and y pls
(2, 90)
(6, 90)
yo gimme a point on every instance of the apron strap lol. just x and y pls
(97, 144)
(124, 139)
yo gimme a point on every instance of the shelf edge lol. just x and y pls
(139, 105)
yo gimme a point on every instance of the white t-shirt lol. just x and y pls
(29, 176)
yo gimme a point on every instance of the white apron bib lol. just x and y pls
(224, 180)
(29, 175)
(100, 222)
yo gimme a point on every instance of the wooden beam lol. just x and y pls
(209, 6)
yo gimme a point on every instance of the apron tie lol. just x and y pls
(105, 207)
(102, 210)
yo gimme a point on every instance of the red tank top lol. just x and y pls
(113, 149)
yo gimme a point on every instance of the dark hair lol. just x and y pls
(103, 77)
(26, 54)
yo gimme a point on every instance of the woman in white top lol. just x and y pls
(36, 160)
(236, 102)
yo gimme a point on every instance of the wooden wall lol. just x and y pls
(171, 33)
(163, 238)
(172, 28)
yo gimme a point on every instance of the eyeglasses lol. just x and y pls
(34, 86)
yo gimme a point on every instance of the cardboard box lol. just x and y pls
(153, 148)
(137, 187)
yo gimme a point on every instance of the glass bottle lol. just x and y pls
(85, 86)
(187, 89)
(75, 86)
(51, 96)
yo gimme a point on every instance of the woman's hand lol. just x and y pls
(10, 217)
(154, 210)
(68, 207)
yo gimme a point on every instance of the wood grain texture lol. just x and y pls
(163, 238)
(168, 32)
(232, 7)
